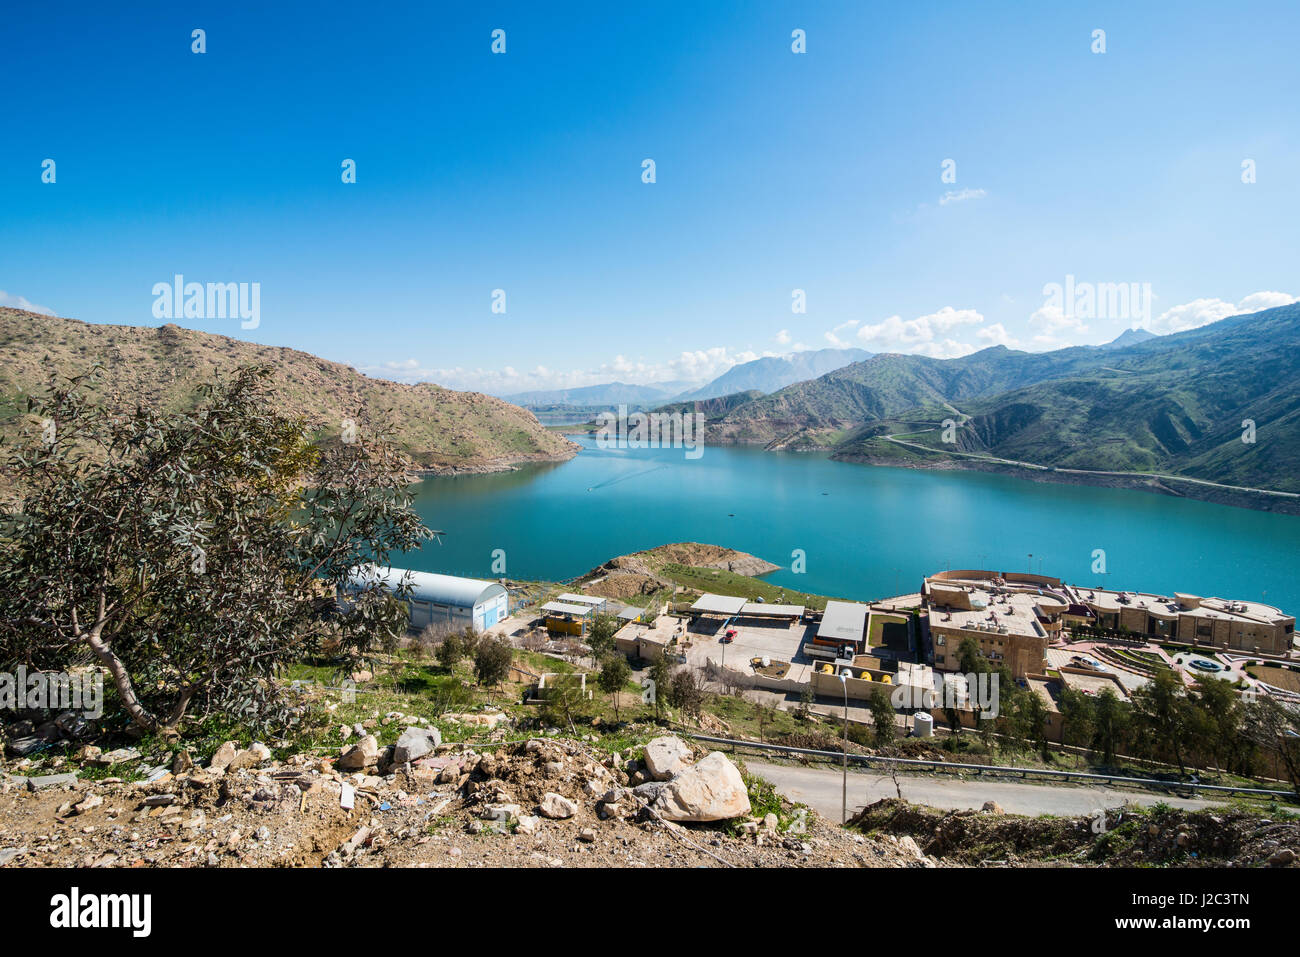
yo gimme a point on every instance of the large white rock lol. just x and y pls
(415, 743)
(711, 790)
(666, 756)
(557, 806)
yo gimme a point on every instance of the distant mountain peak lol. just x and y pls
(1130, 337)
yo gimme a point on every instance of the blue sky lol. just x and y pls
(775, 171)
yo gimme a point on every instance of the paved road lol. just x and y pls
(819, 788)
(1045, 468)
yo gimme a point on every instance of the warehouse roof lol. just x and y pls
(429, 586)
(718, 604)
(843, 621)
(772, 611)
(581, 599)
(566, 608)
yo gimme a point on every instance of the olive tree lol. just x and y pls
(195, 553)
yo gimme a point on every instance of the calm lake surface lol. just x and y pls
(867, 532)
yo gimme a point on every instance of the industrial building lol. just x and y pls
(442, 600)
(842, 632)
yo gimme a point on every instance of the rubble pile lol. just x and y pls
(545, 802)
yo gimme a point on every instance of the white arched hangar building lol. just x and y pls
(443, 599)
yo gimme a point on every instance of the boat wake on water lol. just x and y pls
(624, 478)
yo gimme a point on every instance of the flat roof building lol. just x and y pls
(708, 604)
(843, 622)
(1248, 626)
(1011, 619)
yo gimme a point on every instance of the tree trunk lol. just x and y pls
(122, 681)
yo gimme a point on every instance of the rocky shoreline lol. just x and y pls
(504, 463)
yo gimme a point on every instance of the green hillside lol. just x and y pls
(1172, 404)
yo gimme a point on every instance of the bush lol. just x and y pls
(686, 692)
(492, 661)
(450, 652)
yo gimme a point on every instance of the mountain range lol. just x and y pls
(767, 374)
(440, 429)
(1219, 403)
(771, 373)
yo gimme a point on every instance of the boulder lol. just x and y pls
(648, 792)
(415, 743)
(666, 756)
(244, 758)
(365, 752)
(711, 790)
(501, 812)
(1283, 857)
(223, 756)
(556, 806)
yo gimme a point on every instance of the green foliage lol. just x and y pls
(882, 717)
(492, 660)
(195, 554)
(600, 634)
(661, 673)
(614, 674)
(450, 651)
(686, 692)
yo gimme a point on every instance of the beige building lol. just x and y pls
(1014, 617)
(1011, 618)
(1248, 626)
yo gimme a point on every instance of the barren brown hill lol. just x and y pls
(442, 430)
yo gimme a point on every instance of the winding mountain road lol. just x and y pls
(1048, 468)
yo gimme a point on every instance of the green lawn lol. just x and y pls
(722, 582)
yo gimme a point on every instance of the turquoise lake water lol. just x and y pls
(867, 532)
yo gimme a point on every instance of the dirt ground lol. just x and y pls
(438, 812)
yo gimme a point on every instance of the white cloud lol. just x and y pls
(833, 337)
(996, 335)
(924, 335)
(1202, 312)
(961, 196)
(1052, 319)
(19, 302)
(1258, 301)
(783, 337)
(699, 366)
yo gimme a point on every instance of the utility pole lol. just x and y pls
(844, 788)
